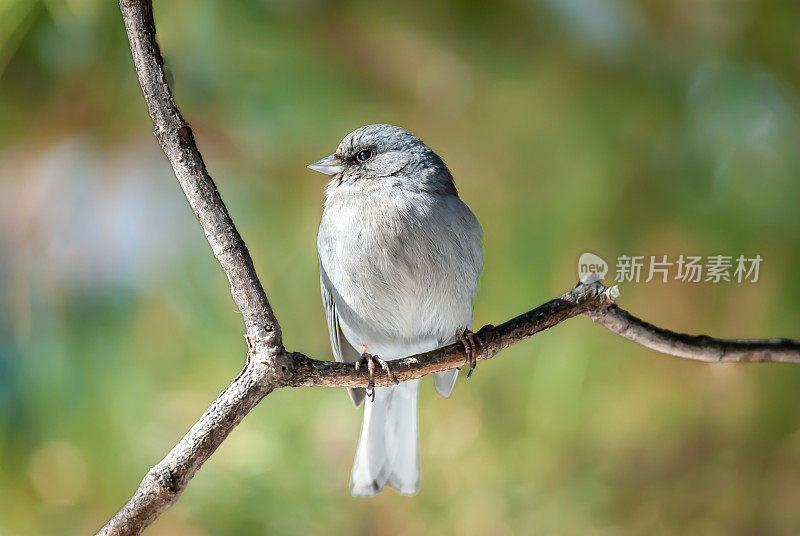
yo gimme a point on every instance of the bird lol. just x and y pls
(400, 259)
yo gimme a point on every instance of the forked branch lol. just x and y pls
(270, 366)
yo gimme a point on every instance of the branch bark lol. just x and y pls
(270, 366)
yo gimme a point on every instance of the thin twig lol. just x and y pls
(697, 347)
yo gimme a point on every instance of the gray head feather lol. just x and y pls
(393, 154)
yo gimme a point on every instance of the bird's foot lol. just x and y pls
(472, 345)
(370, 361)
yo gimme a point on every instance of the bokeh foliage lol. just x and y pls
(638, 128)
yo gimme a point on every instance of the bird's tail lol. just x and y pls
(388, 449)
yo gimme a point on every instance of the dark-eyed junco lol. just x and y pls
(400, 258)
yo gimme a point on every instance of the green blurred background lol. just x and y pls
(636, 128)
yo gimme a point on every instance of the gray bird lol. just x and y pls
(400, 257)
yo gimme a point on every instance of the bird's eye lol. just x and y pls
(364, 155)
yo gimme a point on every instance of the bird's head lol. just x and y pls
(386, 153)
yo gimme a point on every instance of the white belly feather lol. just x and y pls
(400, 287)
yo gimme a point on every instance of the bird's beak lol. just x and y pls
(330, 165)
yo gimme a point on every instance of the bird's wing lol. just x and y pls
(342, 351)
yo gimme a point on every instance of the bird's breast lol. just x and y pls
(404, 269)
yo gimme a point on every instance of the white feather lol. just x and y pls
(445, 381)
(388, 449)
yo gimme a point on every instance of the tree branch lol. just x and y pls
(696, 347)
(581, 299)
(177, 141)
(270, 366)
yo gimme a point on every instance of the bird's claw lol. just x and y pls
(370, 361)
(472, 345)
